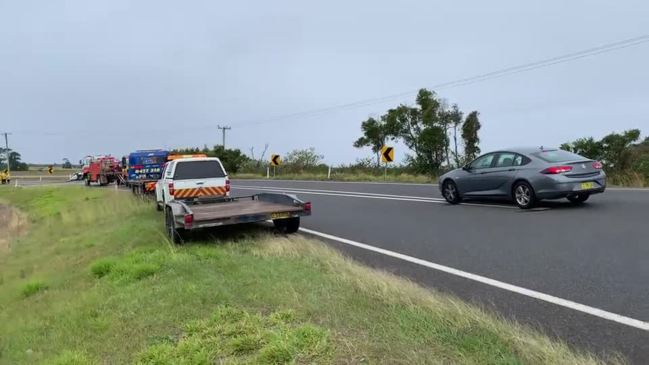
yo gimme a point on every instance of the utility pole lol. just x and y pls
(224, 128)
(7, 149)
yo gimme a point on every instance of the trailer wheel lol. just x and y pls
(290, 225)
(176, 235)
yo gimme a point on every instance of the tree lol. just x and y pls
(619, 152)
(470, 129)
(232, 159)
(587, 147)
(302, 159)
(375, 134)
(15, 160)
(423, 131)
(66, 164)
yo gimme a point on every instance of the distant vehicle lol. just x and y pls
(5, 176)
(195, 193)
(103, 170)
(525, 175)
(144, 169)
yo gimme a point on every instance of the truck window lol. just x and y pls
(198, 170)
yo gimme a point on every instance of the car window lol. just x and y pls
(198, 170)
(505, 159)
(483, 162)
(557, 156)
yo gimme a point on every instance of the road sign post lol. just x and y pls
(387, 156)
(275, 160)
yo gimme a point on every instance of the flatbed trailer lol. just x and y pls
(284, 210)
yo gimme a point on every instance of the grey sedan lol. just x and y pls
(525, 175)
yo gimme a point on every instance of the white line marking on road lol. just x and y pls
(337, 182)
(334, 191)
(365, 195)
(631, 322)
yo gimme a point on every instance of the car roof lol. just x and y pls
(527, 150)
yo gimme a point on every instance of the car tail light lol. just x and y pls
(597, 165)
(557, 170)
(189, 220)
(171, 189)
(227, 185)
(307, 207)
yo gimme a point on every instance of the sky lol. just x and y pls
(110, 77)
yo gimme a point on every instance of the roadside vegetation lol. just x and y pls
(94, 281)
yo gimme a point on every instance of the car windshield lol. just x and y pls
(557, 156)
(198, 170)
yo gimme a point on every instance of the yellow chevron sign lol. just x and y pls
(275, 160)
(387, 154)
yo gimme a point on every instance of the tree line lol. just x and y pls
(15, 160)
(623, 155)
(430, 129)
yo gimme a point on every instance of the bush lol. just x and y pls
(102, 267)
(33, 287)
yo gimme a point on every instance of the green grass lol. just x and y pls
(118, 292)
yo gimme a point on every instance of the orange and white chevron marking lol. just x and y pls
(150, 186)
(199, 192)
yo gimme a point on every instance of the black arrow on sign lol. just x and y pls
(276, 160)
(387, 153)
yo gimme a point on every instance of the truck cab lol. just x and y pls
(191, 179)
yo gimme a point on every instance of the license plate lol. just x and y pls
(587, 186)
(282, 215)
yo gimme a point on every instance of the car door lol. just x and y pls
(503, 172)
(474, 182)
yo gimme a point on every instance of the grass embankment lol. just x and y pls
(94, 281)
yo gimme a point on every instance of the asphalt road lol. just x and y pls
(596, 254)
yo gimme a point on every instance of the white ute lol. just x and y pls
(192, 178)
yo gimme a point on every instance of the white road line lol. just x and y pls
(429, 200)
(334, 191)
(631, 322)
(337, 182)
(366, 196)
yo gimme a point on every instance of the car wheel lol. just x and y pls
(175, 235)
(450, 192)
(579, 198)
(524, 195)
(290, 225)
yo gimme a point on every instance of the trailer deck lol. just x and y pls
(239, 208)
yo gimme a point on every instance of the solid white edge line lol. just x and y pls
(383, 197)
(427, 200)
(334, 191)
(339, 182)
(631, 322)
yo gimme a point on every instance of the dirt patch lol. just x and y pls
(13, 223)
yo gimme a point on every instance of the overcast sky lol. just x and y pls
(89, 77)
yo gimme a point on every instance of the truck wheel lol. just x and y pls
(176, 235)
(290, 225)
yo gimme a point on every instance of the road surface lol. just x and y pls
(591, 261)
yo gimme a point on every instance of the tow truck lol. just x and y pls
(195, 194)
(143, 169)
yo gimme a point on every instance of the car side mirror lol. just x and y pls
(466, 168)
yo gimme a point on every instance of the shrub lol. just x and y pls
(33, 287)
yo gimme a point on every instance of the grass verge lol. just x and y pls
(119, 292)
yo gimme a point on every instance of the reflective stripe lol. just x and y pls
(199, 192)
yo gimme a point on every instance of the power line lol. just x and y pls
(547, 62)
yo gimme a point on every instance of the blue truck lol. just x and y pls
(144, 169)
